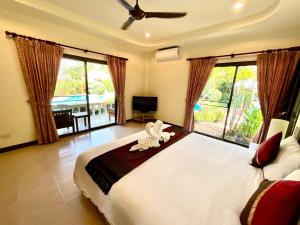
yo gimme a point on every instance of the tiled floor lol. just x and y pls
(36, 186)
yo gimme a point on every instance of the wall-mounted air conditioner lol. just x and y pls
(167, 54)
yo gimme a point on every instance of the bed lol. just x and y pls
(197, 180)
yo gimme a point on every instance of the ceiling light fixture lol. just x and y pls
(147, 34)
(238, 6)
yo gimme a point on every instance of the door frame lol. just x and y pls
(236, 65)
(85, 60)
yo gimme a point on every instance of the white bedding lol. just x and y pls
(196, 181)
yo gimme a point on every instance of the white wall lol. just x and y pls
(168, 80)
(15, 113)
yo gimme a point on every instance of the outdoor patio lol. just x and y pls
(96, 121)
(99, 107)
(215, 129)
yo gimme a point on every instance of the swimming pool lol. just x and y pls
(81, 99)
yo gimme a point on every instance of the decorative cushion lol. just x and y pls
(287, 160)
(273, 203)
(267, 151)
(295, 175)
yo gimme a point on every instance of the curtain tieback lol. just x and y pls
(39, 105)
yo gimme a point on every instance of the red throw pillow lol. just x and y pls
(274, 203)
(267, 151)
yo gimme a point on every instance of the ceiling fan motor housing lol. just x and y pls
(137, 13)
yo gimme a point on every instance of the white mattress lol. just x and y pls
(196, 181)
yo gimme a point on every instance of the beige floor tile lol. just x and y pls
(48, 214)
(9, 215)
(36, 183)
(8, 189)
(83, 212)
(67, 188)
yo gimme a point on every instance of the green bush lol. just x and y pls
(251, 124)
(212, 94)
(209, 114)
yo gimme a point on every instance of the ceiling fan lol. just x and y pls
(136, 13)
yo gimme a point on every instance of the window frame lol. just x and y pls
(236, 65)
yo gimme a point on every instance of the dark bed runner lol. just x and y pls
(111, 166)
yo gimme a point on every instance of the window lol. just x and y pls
(85, 88)
(228, 108)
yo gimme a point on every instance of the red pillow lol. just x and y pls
(274, 203)
(267, 151)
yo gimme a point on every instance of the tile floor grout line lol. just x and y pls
(59, 189)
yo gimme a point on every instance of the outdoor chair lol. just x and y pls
(64, 119)
(111, 112)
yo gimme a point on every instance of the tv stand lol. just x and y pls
(142, 117)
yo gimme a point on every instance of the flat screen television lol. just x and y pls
(144, 104)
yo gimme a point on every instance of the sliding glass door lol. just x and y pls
(84, 96)
(211, 110)
(244, 117)
(228, 108)
(70, 97)
(101, 95)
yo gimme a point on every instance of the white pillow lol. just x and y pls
(253, 147)
(287, 160)
(295, 175)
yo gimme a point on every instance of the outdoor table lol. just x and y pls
(79, 115)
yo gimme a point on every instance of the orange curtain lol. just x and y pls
(117, 69)
(200, 69)
(275, 71)
(40, 65)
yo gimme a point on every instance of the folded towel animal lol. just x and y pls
(159, 125)
(163, 136)
(156, 134)
(148, 142)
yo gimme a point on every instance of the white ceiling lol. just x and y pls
(205, 18)
(200, 14)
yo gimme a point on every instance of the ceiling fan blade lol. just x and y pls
(164, 14)
(127, 24)
(125, 4)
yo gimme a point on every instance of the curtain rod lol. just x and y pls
(8, 33)
(297, 48)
